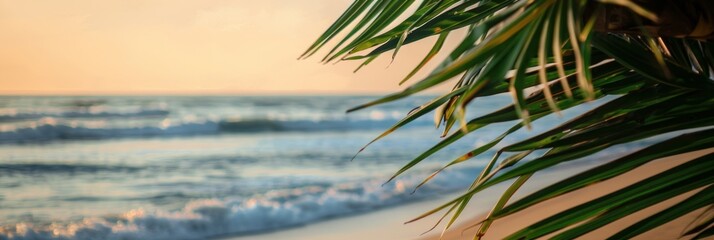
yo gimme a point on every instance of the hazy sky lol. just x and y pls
(176, 46)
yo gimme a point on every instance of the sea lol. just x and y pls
(196, 167)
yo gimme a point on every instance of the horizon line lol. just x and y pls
(274, 93)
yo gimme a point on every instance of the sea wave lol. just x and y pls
(52, 130)
(10, 169)
(278, 209)
(84, 114)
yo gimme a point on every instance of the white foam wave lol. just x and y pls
(273, 210)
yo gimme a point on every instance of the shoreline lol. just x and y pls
(387, 223)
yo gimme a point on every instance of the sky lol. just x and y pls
(181, 47)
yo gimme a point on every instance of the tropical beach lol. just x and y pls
(387, 223)
(171, 173)
(356, 119)
(207, 166)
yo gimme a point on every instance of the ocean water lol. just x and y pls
(194, 167)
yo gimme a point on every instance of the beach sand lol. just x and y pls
(388, 223)
(672, 230)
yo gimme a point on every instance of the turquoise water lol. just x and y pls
(191, 167)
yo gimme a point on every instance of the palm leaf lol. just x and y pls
(557, 50)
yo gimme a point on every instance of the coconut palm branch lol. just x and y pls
(653, 57)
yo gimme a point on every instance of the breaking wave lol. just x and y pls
(270, 211)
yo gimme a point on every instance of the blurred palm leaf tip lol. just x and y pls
(654, 57)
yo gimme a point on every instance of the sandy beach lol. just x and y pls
(538, 212)
(356, 120)
(388, 223)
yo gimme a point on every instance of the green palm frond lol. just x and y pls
(566, 52)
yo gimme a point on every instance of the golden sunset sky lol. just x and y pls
(180, 47)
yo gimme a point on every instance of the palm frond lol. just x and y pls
(566, 53)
